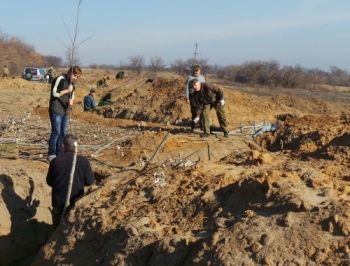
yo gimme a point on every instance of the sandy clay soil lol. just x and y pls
(165, 196)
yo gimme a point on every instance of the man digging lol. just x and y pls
(206, 97)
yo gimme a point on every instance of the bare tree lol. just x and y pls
(71, 52)
(268, 73)
(72, 57)
(220, 73)
(255, 72)
(189, 64)
(180, 67)
(229, 72)
(316, 76)
(293, 77)
(242, 74)
(203, 62)
(137, 63)
(338, 77)
(273, 73)
(156, 64)
(54, 61)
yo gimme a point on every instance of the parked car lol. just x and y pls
(35, 74)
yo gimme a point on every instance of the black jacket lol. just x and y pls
(59, 104)
(59, 173)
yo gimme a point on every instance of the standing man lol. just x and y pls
(89, 101)
(52, 74)
(206, 97)
(189, 91)
(61, 100)
(58, 177)
(5, 72)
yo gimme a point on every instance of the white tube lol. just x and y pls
(71, 179)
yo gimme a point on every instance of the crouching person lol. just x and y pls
(89, 101)
(206, 97)
(107, 99)
(58, 177)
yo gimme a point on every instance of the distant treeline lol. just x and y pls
(270, 73)
(15, 53)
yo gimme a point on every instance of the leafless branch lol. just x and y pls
(73, 46)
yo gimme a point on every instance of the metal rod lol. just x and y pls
(160, 146)
(208, 150)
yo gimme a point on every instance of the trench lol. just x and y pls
(30, 221)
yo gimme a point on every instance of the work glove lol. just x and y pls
(196, 120)
(219, 104)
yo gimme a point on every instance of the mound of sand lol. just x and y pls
(165, 196)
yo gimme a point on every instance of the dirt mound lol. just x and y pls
(163, 102)
(313, 106)
(19, 83)
(165, 196)
(184, 215)
(160, 102)
(311, 137)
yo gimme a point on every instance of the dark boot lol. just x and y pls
(193, 125)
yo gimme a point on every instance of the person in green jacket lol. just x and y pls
(206, 97)
(105, 100)
(5, 72)
(52, 74)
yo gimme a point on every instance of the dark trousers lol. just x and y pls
(56, 215)
(194, 114)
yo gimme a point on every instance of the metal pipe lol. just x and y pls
(160, 146)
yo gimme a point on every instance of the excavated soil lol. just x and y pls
(165, 196)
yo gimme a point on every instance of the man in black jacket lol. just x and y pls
(59, 173)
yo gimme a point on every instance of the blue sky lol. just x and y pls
(313, 33)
